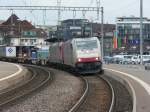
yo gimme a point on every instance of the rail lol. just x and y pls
(34, 83)
(81, 100)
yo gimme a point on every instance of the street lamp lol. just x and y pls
(141, 31)
(102, 33)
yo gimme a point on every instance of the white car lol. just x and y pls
(126, 59)
(137, 59)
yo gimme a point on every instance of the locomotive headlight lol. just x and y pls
(97, 58)
(79, 60)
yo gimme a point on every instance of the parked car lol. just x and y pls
(137, 59)
(122, 59)
(126, 59)
(147, 65)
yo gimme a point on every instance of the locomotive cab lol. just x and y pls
(88, 58)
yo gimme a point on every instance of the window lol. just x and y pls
(25, 33)
(22, 40)
(86, 44)
(28, 33)
(34, 40)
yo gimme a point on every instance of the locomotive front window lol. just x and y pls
(86, 44)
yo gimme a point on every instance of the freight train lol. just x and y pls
(79, 54)
(24, 54)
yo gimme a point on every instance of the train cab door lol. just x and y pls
(61, 48)
(71, 54)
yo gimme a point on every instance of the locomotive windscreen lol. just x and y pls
(92, 44)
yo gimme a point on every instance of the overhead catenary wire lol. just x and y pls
(27, 3)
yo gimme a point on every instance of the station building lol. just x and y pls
(128, 35)
(17, 32)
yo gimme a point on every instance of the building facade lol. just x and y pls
(128, 35)
(16, 32)
(108, 36)
(74, 28)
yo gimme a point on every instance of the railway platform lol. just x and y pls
(139, 78)
(11, 74)
(7, 69)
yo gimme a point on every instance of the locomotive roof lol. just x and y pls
(89, 38)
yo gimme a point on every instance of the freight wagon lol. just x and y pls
(7, 52)
(40, 56)
(19, 54)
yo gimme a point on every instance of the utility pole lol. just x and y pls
(141, 31)
(91, 28)
(59, 10)
(74, 16)
(102, 32)
(98, 8)
(44, 17)
(102, 27)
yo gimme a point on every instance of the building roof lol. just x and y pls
(13, 27)
(68, 20)
(14, 21)
(124, 17)
(1, 21)
(132, 18)
(107, 27)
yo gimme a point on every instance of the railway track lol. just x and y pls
(97, 96)
(103, 94)
(122, 98)
(40, 76)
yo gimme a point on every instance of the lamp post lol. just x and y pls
(141, 31)
(102, 33)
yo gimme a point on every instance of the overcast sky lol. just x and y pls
(112, 9)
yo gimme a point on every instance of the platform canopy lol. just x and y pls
(53, 40)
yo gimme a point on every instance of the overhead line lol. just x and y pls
(48, 8)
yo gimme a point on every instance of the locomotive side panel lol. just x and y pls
(54, 53)
(69, 53)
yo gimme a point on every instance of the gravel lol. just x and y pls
(58, 96)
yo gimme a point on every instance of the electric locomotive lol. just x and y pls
(83, 55)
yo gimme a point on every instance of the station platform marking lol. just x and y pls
(14, 74)
(145, 85)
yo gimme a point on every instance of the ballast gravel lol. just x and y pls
(57, 96)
